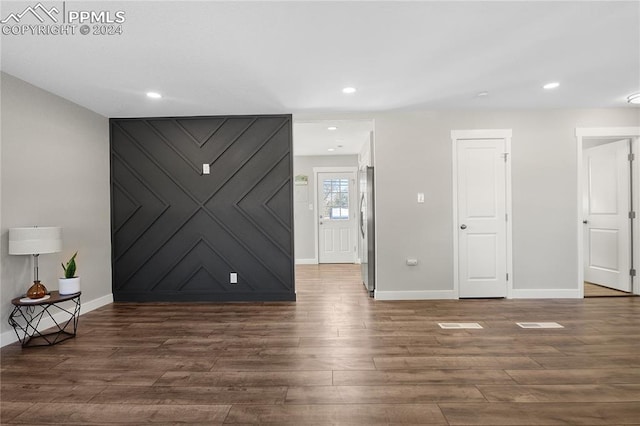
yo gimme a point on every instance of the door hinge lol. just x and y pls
(632, 215)
(631, 157)
(506, 217)
(507, 276)
(505, 155)
(632, 272)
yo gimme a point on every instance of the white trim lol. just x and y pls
(94, 304)
(416, 295)
(483, 134)
(306, 261)
(605, 132)
(9, 336)
(580, 213)
(343, 169)
(335, 169)
(509, 211)
(548, 293)
(635, 179)
(454, 222)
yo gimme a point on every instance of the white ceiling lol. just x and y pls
(315, 138)
(242, 57)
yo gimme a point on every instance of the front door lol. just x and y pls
(482, 230)
(336, 224)
(607, 225)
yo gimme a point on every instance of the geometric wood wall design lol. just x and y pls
(177, 233)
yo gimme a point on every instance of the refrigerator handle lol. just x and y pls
(362, 216)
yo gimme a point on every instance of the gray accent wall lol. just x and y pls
(55, 172)
(178, 233)
(305, 221)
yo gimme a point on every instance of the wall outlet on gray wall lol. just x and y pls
(233, 278)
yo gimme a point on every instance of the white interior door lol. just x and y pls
(337, 218)
(482, 221)
(607, 238)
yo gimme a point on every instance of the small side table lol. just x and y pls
(27, 316)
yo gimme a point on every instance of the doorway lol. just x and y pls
(607, 214)
(608, 202)
(482, 208)
(328, 146)
(336, 196)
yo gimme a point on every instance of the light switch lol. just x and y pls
(421, 197)
(206, 169)
(233, 278)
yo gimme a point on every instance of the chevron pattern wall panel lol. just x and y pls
(179, 234)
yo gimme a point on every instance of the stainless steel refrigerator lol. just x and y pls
(366, 235)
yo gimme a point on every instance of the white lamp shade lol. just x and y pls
(35, 240)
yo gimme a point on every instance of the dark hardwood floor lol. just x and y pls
(335, 357)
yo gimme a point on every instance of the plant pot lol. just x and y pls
(69, 285)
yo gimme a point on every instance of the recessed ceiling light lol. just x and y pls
(349, 90)
(634, 99)
(549, 86)
(331, 149)
(332, 128)
(154, 95)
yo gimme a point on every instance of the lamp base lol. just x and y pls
(37, 290)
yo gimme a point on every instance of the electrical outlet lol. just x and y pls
(233, 278)
(206, 169)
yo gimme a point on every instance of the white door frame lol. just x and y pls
(483, 134)
(583, 133)
(317, 170)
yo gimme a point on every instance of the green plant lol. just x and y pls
(70, 269)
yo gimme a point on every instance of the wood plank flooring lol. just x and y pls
(334, 357)
(594, 290)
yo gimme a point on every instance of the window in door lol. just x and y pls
(335, 199)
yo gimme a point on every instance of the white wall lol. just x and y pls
(54, 172)
(303, 196)
(413, 154)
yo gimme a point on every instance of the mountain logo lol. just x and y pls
(39, 11)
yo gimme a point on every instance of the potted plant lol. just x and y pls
(70, 284)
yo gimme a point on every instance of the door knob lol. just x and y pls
(585, 221)
(463, 226)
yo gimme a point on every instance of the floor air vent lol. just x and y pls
(458, 325)
(539, 325)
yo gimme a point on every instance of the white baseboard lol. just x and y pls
(94, 304)
(415, 295)
(548, 293)
(9, 336)
(451, 294)
(306, 261)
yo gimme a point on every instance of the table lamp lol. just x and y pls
(35, 241)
